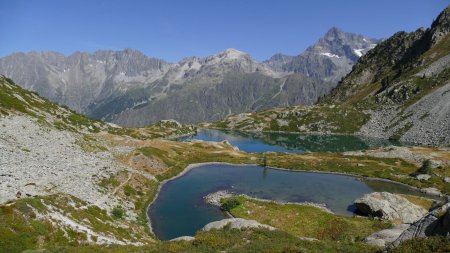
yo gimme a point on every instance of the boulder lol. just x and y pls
(385, 236)
(423, 177)
(237, 223)
(183, 238)
(431, 191)
(435, 223)
(389, 206)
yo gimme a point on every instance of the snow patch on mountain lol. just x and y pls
(330, 55)
(358, 52)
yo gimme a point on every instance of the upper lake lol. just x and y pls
(289, 142)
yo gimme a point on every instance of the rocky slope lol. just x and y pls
(54, 171)
(404, 85)
(81, 79)
(62, 181)
(129, 88)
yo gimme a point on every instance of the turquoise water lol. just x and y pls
(289, 142)
(180, 209)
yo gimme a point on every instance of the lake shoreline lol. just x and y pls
(312, 133)
(182, 173)
(196, 165)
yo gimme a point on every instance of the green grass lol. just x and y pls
(179, 156)
(400, 132)
(157, 130)
(234, 241)
(387, 168)
(424, 245)
(109, 182)
(20, 229)
(23, 225)
(141, 191)
(15, 99)
(307, 221)
(118, 212)
(339, 119)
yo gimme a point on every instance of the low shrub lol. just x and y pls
(229, 204)
(118, 212)
(425, 168)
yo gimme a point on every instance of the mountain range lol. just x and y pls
(398, 90)
(132, 89)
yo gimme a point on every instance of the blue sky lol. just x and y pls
(174, 29)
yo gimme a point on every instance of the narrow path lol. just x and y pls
(114, 191)
(122, 184)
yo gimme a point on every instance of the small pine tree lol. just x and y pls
(229, 204)
(118, 212)
(425, 168)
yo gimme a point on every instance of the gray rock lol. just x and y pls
(215, 197)
(431, 191)
(435, 223)
(310, 239)
(389, 206)
(183, 238)
(423, 177)
(385, 236)
(237, 223)
(329, 59)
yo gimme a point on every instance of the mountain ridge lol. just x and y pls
(128, 87)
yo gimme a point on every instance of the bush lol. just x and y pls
(118, 212)
(426, 167)
(128, 190)
(229, 204)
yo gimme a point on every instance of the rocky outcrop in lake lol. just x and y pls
(237, 223)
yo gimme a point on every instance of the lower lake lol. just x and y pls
(181, 210)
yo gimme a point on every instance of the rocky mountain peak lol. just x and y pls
(232, 54)
(441, 26)
(329, 59)
(334, 33)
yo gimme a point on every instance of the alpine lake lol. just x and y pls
(180, 208)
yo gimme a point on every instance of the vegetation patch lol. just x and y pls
(424, 245)
(118, 212)
(320, 118)
(234, 241)
(394, 169)
(228, 204)
(306, 221)
(399, 133)
(178, 155)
